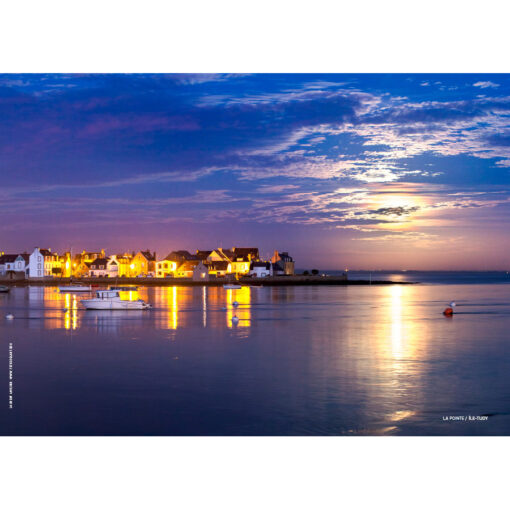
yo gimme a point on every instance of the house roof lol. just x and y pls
(225, 254)
(148, 255)
(246, 253)
(229, 254)
(179, 256)
(25, 256)
(266, 265)
(188, 265)
(4, 259)
(45, 253)
(99, 261)
(203, 254)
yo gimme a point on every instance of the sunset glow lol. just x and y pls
(358, 171)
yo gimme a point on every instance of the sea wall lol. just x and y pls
(271, 281)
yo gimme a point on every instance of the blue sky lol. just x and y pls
(358, 171)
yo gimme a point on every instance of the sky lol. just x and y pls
(353, 171)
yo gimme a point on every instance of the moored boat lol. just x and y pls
(112, 300)
(231, 286)
(75, 287)
(4, 289)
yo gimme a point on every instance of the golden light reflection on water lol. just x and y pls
(404, 337)
(396, 321)
(383, 350)
(171, 302)
(71, 311)
(401, 348)
(242, 311)
(204, 306)
(401, 415)
(129, 295)
(173, 307)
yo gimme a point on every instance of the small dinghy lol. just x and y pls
(111, 300)
(231, 286)
(75, 287)
(4, 289)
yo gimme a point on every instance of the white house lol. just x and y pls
(19, 264)
(41, 263)
(113, 267)
(261, 269)
(99, 268)
(201, 273)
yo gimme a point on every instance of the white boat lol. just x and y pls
(231, 286)
(75, 287)
(111, 300)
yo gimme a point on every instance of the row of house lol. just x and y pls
(201, 265)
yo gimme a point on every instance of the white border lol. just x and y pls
(263, 36)
(253, 473)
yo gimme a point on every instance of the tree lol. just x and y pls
(315, 271)
(305, 273)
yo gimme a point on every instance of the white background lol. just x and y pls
(253, 473)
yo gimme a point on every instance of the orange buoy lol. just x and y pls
(448, 311)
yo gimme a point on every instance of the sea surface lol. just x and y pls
(310, 360)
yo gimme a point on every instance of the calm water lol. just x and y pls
(301, 361)
(431, 277)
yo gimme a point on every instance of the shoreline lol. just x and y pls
(188, 282)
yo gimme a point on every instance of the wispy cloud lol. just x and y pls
(486, 84)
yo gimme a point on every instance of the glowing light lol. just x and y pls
(71, 313)
(204, 306)
(243, 311)
(67, 315)
(400, 415)
(396, 320)
(173, 307)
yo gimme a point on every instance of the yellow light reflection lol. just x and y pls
(129, 295)
(401, 415)
(71, 313)
(173, 307)
(243, 311)
(396, 320)
(204, 306)
(403, 335)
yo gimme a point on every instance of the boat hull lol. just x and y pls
(75, 288)
(104, 304)
(232, 286)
